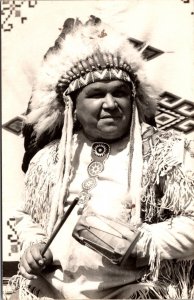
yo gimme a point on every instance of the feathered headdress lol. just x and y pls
(85, 53)
(80, 50)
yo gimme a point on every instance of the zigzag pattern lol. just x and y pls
(98, 75)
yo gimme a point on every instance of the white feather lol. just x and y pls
(75, 47)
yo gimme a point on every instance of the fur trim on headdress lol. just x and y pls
(76, 52)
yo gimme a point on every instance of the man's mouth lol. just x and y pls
(110, 117)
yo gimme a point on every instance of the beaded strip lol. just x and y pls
(97, 67)
(100, 153)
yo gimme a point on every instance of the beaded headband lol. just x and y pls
(99, 67)
(98, 75)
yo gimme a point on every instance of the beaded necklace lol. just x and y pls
(100, 152)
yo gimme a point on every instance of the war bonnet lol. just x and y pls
(84, 53)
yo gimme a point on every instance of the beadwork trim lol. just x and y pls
(100, 149)
(100, 152)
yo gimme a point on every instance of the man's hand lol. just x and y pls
(32, 261)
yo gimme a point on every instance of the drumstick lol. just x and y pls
(64, 218)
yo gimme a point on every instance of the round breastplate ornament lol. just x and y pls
(89, 183)
(95, 168)
(100, 149)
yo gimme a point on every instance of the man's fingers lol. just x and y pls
(47, 258)
(26, 274)
(30, 260)
(36, 252)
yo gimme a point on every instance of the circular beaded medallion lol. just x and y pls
(95, 167)
(100, 149)
(84, 197)
(89, 183)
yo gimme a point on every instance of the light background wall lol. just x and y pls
(164, 24)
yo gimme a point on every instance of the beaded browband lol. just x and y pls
(98, 67)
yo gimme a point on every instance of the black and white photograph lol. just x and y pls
(97, 106)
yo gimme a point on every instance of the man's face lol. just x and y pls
(104, 110)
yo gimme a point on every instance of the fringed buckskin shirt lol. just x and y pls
(161, 265)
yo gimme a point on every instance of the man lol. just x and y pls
(131, 234)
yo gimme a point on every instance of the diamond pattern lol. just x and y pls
(14, 125)
(136, 43)
(175, 113)
(164, 118)
(149, 52)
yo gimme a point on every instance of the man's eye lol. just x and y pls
(96, 95)
(120, 94)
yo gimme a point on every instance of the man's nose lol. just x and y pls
(109, 102)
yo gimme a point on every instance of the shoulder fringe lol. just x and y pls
(179, 192)
(39, 183)
(165, 169)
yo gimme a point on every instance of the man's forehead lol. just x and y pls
(109, 84)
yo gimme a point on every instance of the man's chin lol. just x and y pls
(106, 133)
(111, 133)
